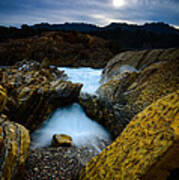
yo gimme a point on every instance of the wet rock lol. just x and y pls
(119, 100)
(14, 148)
(61, 140)
(148, 147)
(138, 59)
(103, 112)
(119, 73)
(34, 92)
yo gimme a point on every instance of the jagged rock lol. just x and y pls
(148, 148)
(58, 48)
(138, 59)
(34, 92)
(14, 148)
(119, 100)
(61, 140)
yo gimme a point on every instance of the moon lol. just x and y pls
(118, 3)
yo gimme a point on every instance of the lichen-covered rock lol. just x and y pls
(34, 92)
(61, 140)
(3, 98)
(14, 148)
(138, 59)
(120, 99)
(148, 148)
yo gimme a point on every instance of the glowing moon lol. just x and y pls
(118, 3)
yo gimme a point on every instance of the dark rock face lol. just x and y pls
(58, 48)
(120, 99)
(104, 112)
(34, 92)
(14, 148)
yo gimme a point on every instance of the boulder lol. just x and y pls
(34, 92)
(138, 60)
(61, 140)
(14, 148)
(148, 148)
(120, 99)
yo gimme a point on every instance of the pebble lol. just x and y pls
(62, 163)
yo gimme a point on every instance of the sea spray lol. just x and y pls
(89, 77)
(72, 120)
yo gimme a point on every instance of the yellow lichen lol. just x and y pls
(154, 82)
(14, 147)
(3, 98)
(147, 149)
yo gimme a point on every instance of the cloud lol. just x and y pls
(94, 11)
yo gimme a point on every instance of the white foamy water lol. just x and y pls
(72, 120)
(87, 76)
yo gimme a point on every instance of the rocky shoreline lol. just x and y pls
(139, 108)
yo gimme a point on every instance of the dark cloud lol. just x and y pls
(99, 12)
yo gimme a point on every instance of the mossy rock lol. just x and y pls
(147, 149)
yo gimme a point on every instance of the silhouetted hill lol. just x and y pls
(153, 35)
(149, 27)
(141, 37)
(82, 27)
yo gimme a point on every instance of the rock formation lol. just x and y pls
(138, 59)
(3, 98)
(137, 103)
(14, 148)
(58, 48)
(120, 99)
(147, 149)
(34, 92)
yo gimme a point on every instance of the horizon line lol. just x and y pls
(97, 25)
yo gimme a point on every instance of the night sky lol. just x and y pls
(100, 12)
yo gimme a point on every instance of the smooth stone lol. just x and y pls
(61, 140)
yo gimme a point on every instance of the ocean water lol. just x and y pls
(72, 120)
(89, 77)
